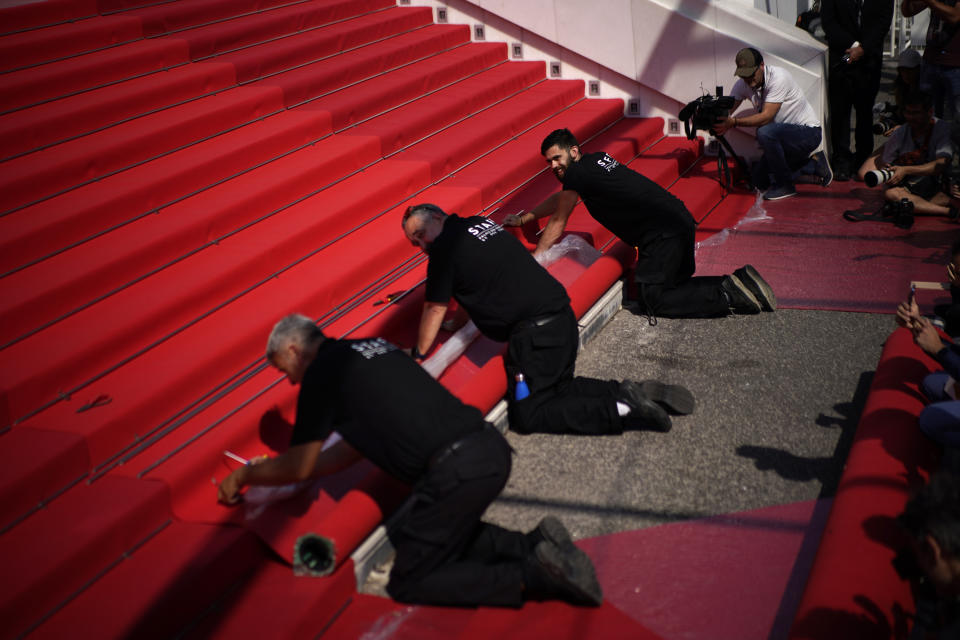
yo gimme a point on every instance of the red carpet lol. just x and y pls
(814, 259)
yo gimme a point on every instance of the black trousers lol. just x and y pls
(445, 555)
(852, 87)
(665, 282)
(558, 402)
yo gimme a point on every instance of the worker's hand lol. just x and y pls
(889, 132)
(926, 336)
(908, 314)
(229, 490)
(899, 173)
(513, 219)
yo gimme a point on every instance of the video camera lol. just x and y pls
(701, 115)
(704, 112)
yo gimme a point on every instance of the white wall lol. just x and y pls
(659, 52)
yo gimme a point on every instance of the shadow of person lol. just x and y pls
(863, 621)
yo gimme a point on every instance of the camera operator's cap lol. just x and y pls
(747, 63)
(909, 59)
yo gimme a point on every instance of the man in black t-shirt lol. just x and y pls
(389, 410)
(511, 298)
(647, 216)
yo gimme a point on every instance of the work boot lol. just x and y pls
(739, 298)
(759, 287)
(644, 412)
(674, 398)
(552, 530)
(554, 573)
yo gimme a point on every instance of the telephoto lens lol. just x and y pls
(873, 178)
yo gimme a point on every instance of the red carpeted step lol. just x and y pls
(668, 159)
(65, 166)
(43, 125)
(26, 87)
(51, 43)
(97, 337)
(699, 188)
(312, 80)
(726, 214)
(51, 225)
(258, 26)
(274, 603)
(365, 99)
(34, 466)
(165, 17)
(58, 550)
(33, 15)
(163, 587)
(65, 282)
(303, 48)
(411, 122)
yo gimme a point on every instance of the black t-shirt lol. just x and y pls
(630, 205)
(491, 275)
(383, 404)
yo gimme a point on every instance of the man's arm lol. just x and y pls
(563, 203)
(296, 464)
(946, 12)
(912, 7)
(766, 116)
(430, 322)
(931, 168)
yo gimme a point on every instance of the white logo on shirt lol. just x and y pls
(483, 230)
(607, 163)
(372, 348)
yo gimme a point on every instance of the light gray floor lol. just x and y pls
(778, 399)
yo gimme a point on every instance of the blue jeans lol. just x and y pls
(940, 420)
(943, 84)
(786, 151)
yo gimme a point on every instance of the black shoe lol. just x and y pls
(759, 287)
(672, 397)
(552, 530)
(644, 412)
(739, 298)
(841, 172)
(568, 575)
(823, 170)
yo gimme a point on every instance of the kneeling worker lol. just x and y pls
(392, 412)
(511, 298)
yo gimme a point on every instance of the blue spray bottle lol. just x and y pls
(521, 391)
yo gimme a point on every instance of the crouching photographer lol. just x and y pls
(914, 159)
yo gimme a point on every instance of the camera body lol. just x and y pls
(901, 212)
(704, 112)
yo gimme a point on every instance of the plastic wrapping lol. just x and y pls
(258, 498)
(757, 213)
(572, 246)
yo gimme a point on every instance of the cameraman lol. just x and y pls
(788, 130)
(917, 153)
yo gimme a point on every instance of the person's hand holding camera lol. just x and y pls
(722, 125)
(908, 314)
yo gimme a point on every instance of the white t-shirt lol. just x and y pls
(779, 86)
(901, 141)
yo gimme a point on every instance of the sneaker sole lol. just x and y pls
(779, 197)
(758, 286)
(645, 413)
(675, 398)
(744, 290)
(574, 571)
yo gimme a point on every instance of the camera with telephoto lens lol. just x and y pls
(884, 123)
(878, 176)
(704, 112)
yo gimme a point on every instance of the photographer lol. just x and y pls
(914, 157)
(788, 130)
